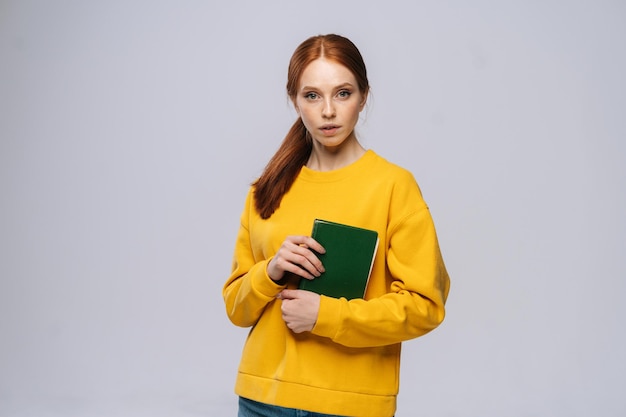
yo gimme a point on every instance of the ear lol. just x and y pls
(364, 100)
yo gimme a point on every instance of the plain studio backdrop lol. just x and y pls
(130, 131)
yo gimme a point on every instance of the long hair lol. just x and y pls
(283, 168)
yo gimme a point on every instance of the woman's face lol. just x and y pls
(329, 102)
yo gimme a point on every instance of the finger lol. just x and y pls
(306, 241)
(293, 264)
(301, 259)
(288, 294)
(310, 259)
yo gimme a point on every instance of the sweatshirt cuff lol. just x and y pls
(266, 285)
(330, 310)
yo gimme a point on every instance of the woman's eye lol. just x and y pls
(344, 94)
(310, 96)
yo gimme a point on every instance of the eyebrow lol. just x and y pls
(339, 87)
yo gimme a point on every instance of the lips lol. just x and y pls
(329, 130)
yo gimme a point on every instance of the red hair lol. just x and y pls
(283, 168)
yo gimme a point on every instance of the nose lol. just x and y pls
(329, 109)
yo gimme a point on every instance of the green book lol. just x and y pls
(348, 260)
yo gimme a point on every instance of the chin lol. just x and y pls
(331, 142)
(331, 145)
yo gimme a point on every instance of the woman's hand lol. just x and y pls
(295, 256)
(300, 309)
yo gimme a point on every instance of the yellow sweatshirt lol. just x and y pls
(349, 363)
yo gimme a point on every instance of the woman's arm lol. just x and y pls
(413, 307)
(256, 282)
(248, 289)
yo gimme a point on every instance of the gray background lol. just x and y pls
(130, 131)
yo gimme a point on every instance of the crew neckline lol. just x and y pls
(309, 174)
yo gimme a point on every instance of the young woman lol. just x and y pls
(323, 355)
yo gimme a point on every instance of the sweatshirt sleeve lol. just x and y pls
(248, 289)
(415, 302)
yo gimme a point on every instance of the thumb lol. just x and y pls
(288, 294)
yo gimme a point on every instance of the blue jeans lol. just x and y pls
(249, 408)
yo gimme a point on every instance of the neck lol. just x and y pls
(328, 159)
